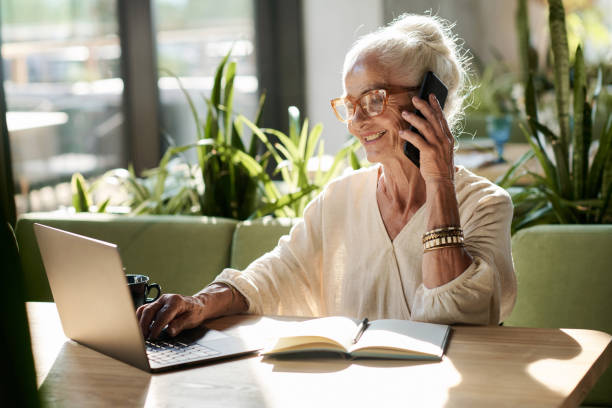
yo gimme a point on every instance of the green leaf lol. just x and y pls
(561, 171)
(580, 156)
(607, 175)
(287, 142)
(587, 135)
(194, 112)
(257, 121)
(597, 92)
(294, 124)
(319, 172)
(540, 215)
(313, 138)
(260, 106)
(215, 95)
(549, 168)
(594, 181)
(102, 207)
(264, 139)
(283, 201)
(522, 28)
(531, 108)
(236, 136)
(560, 52)
(304, 143)
(338, 158)
(354, 161)
(504, 181)
(606, 202)
(228, 100)
(290, 159)
(563, 213)
(80, 198)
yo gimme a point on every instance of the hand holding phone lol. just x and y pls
(431, 85)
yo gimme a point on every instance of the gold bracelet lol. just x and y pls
(433, 236)
(433, 248)
(444, 241)
(451, 231)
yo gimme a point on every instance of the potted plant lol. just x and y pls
(572, 189)
(229, 179)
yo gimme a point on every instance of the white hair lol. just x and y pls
(410, 46)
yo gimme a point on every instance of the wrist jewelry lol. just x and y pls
(445, 237)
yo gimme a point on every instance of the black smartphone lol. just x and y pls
(431, 85)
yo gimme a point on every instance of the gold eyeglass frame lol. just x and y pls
(387, 91)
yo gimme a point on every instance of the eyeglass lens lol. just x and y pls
(373, 103)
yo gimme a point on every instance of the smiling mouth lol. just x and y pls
(375, 136)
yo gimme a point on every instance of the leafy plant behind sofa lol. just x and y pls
(229, 179)
(571, 190)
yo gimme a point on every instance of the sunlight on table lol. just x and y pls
(547, 371)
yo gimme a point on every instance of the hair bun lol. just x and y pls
(414, 44)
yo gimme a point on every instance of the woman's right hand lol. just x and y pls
(180, 312)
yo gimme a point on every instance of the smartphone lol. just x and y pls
(431, 85)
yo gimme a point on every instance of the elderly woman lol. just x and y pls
(428, 243)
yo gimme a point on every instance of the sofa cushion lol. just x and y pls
(181, 253)
(564, 278)
(254, 238)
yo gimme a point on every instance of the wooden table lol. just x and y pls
(483, 366)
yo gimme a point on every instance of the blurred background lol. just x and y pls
(90, 85)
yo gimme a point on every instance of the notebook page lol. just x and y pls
(421, 338)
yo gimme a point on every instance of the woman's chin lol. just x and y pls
(373, 155)
(381, 155)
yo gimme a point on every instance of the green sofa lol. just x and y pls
(181, 253)
(564, 275)
(564, 272)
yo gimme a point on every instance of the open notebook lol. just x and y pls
(386, 338)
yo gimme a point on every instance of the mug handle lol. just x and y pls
(153, 286)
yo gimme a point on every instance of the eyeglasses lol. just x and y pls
(372, 103)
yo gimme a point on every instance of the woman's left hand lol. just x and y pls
(437, 143)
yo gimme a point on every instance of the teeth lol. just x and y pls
(375, 136)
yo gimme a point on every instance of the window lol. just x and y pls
(193, 36)
(80, 88)
(63, 86)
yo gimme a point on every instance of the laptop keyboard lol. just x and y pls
(165, 353)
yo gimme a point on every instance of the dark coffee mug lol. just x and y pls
(140, 287)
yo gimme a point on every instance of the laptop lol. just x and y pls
(96, 308)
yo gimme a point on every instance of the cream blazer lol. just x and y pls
(339, 260)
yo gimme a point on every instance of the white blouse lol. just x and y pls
(339, 260)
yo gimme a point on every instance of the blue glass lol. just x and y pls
(498, 129)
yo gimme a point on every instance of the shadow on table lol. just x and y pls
(79, 377)
(329, 362)
(534, 369)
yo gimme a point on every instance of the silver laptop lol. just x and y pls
(96, 309)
